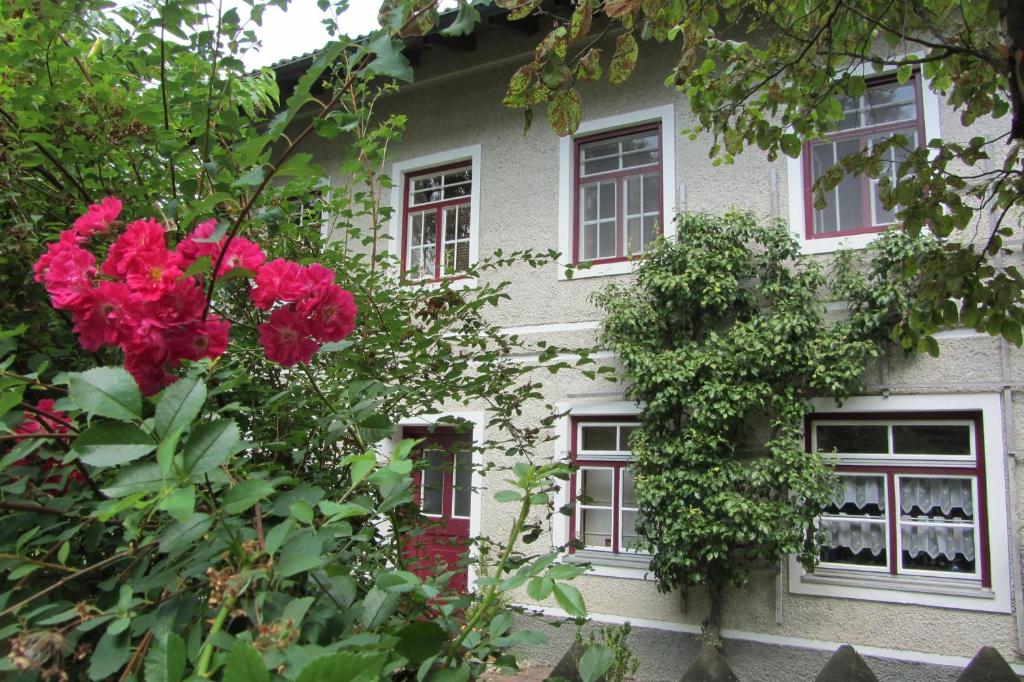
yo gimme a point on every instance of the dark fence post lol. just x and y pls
(846, 665)
(988, 666)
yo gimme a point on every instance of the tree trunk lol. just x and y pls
(711, 630)
(1013, 30)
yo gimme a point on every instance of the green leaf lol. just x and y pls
(540, 588)
(302, 553)
(277, 535)
(301, 511)
(595, 662)
(361, 466)
(179, 504)
(250, 178)
(338, 512)
(10, 397)
(565, 111)
(210, 445)
(165, 452)
(200, 266)
(903, 73)
(568, 597)
(464, 22)
(245, 494)
(244, 664)
(138, 478)
(107, 444)
(180, 535)
(166, 659)
(420, 640)
(389, 62)
(507, 496)
(110, 655)
(345, 667)
(378, 606)
(106, 392)
(790, 145)
(179, 404)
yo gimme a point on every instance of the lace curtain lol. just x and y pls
(945, 493)
(861, 491)
(855, 534)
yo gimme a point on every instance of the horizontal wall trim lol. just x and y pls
(552, 328)
(779, 640)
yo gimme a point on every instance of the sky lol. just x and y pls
(297, 31)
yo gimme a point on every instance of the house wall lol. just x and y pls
(519, 210)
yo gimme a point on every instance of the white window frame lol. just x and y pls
(403, 169)
(665, 117)
(795, 175)
(930, 590)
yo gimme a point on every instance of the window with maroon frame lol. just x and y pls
(910, 499)
(618, 202)
(854, 206)
(603, 491)
(436, 220)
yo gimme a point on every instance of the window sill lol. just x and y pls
(607, 564)
(842, 242)
(965, 594)
(622, 267)
(454, 283)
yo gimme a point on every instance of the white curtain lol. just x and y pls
(855, 534)
(861, 491)
(945, 493)
(936, 541)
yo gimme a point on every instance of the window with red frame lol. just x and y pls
(910, 498)
(854, 206)
(437, 221)
(604, 514)
(618, 203)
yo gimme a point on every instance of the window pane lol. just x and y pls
(931, 439)
(429, 257)
(463, 492)
(432, 492)
(889, 102)
(607, 202)
(457, 191)
(634, 205)
(854, 523)
(639, 159)
(463, 225)
(429, 227)
(641, 142)
(449, 257)
(599, 437)
(650, 231)
(601, 166)
(596, 528)
(823, 158)
(634, 235)
(629, 539)
(426, 183)
(424, 197)
(628, 488)
(936, 499)
(606, 240)
(652, 193)
(594, 150)
(590, 241)
(450, 214)
(849, 193)
(416, 229)
(624, 433)
(454, 177)
(596, 487)
(590, 193)
(853, 439)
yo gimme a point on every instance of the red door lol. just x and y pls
(442, 489)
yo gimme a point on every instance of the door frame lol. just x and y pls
(479, 421)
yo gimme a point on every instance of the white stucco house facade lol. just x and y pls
(923, 563)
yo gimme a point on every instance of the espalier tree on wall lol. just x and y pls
(771, 75)
(724, 340)
(203, 345)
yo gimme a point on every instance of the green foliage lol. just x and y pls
(607, 654)
(773, 75)
(724, 338)
(244, 523)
